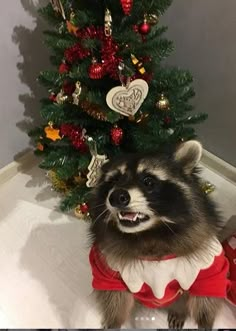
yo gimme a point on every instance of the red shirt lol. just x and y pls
(230, 251)
(159, 283)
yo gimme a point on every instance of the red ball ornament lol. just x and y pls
(144, 28)
(126, 6)
(64, 68)
(53, 97)
(96, 70)
(84, 208)
(117, 135)
(68, 87)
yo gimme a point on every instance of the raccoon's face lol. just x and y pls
(137, 193)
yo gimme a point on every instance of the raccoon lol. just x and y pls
(154, 239)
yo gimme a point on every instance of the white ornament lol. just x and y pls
(61, 98)
(170, 131)
(76, 94)
(94, 169)
(57, 6)
(127, 100)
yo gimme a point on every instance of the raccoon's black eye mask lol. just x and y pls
(139, 190)
(149, 182)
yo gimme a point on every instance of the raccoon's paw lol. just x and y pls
(106, 326)
(176, 320)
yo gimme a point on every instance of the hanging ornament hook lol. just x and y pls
(92, 146)
(121, 68)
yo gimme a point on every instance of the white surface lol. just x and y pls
(45, 279)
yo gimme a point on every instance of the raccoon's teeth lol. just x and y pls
(128, 216)
(140, 215)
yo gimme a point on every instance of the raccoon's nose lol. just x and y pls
(119, 198)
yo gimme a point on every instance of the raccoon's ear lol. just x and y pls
(188, 155)
(105, 167)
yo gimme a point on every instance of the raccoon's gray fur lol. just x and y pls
(153, 206)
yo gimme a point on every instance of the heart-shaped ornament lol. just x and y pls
(128, 100)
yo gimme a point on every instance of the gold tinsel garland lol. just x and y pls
(57, 184)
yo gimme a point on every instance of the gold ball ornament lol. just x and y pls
(152, 19)
(163, 103)
(79, 214)
(207, 187)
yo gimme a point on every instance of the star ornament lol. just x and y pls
(72, 28)
(52, 134)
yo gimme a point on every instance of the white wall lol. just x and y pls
(204, 35)
(22, 56)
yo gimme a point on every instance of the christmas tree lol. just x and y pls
(109, 92)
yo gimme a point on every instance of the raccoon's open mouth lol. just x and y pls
(131, 219)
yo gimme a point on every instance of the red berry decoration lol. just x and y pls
(64, 68)
(84, 208)
(167, 120)
(135, 28)
(144, 28)
(96, 70)
(116, 135)
(126, 6)
(67, 129)
(75, 135)
(80, 144)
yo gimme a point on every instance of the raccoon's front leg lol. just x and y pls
(115, 307)
(178, 312)
(204, 310)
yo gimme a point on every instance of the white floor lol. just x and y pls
(45, 279)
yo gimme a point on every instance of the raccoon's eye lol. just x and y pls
(149, 182)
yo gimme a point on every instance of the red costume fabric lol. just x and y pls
(211, 280)
(230, 251)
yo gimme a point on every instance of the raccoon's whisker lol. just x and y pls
(167, 220)
(164, 222)
(102, 213)
(100, 205)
